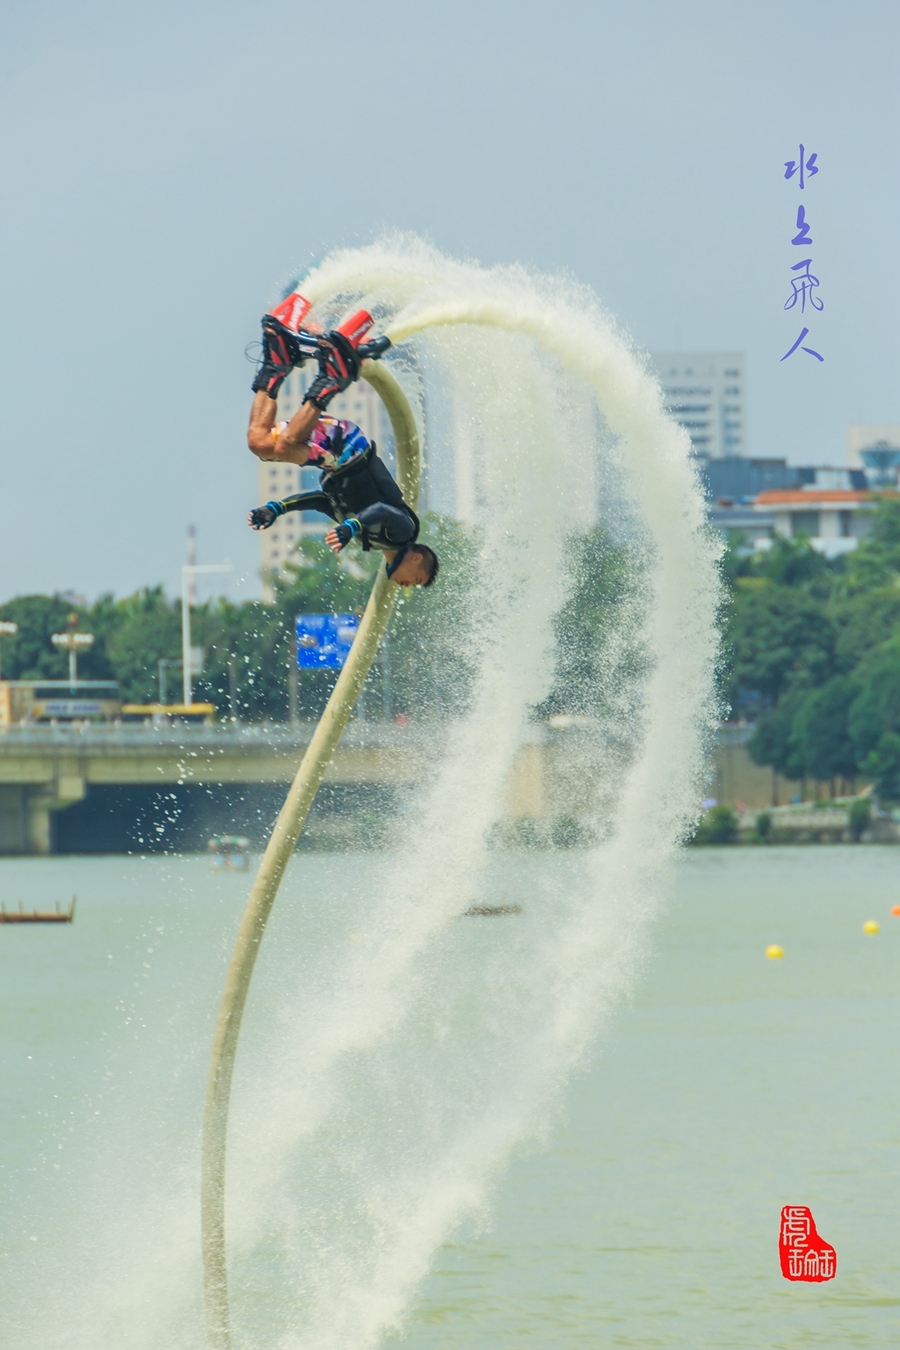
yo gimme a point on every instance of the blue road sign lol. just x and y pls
(324, 640)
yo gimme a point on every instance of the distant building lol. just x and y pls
(751, 500)
(875, 448)
(742, 525)
(706, 393)
(735, 479)
(359, 404)
(741, 480)
(832, 519)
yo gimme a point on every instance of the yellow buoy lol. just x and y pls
(871, 926)
(774, 950)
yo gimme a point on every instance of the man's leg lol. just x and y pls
(288, 445)
(285, 346)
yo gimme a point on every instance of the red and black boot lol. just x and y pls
(339, 359)
(285, 343)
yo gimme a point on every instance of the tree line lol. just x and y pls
(811, 646)
(812, 656)
(249, 646)
(424, 670)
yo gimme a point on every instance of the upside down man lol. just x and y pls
(356, 489)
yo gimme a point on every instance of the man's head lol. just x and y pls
(418, 567)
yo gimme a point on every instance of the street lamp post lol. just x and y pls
(188, 572)
(7, 628)
(73, 643)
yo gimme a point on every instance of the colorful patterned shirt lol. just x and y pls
(335, 441)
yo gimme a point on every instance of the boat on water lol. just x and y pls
(22, 915)
(482, 911)
(230, 853)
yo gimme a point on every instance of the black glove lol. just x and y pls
(261, 517)
(338, 368)
(348, 530)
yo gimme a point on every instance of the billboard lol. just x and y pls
(324, 640)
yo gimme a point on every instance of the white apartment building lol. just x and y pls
(706, 393)
(832, 519)
(359, 404)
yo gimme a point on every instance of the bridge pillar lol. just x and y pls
(69, 788)
(26, 813)
(13, 819)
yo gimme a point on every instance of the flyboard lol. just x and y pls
(291, 820)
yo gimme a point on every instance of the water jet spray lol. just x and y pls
(291, 820)
(552, 336)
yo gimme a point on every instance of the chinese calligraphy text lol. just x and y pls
(805, 166)
(804, 1255)
(804, 283)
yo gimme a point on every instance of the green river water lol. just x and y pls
(728, 1086)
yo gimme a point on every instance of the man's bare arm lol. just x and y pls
(290, 446)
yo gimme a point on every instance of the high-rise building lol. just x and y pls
(359, 404)
(706, 393)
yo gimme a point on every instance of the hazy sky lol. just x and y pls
(166, 167)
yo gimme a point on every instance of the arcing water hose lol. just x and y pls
(275, 859)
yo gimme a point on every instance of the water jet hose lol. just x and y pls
(275, 859)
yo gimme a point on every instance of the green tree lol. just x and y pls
(763, 826)
(147, 628)
(864, 621)
(820, 731)
(246, 645)
(787, 562)
(736, 560)
(102, 618)
(875, 562)
(875, 711)
(718, 826)
(883, 766)
(29, 654)
(318, 582)
(603, 582)
(792, 562)
(859, 818)
(252, 644)
(779, 639)
(773, 742)
(429, 658)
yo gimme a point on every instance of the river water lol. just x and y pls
(728, 1086)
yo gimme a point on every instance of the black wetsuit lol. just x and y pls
(363, 489)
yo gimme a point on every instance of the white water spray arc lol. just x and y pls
(551, 365)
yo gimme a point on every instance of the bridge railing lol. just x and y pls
(92, 736)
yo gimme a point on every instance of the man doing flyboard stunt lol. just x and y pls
(356, 489)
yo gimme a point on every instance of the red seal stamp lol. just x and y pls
(804, 1255)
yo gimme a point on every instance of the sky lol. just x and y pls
(167, 167)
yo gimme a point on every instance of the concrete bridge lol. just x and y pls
(59, 784)
(47, 770)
